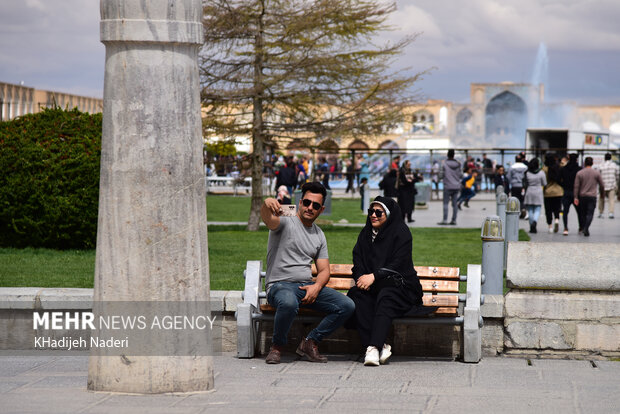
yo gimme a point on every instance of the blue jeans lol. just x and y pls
(450, 196)
(286, 298)
(533, 210)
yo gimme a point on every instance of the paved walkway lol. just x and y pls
(495, 385)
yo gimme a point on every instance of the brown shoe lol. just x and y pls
(274, 355)
(309, 348)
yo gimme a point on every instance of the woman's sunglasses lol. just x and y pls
(315, 205)
(376, 212)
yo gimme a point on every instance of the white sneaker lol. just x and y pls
(372, 357)
(386, 352)
(611, 215)
(550, 229)
(556, 225)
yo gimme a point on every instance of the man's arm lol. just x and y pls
(601, 185)
(576, 189)
(270, 213)
(322, 277)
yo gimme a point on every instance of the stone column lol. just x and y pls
(152, 231)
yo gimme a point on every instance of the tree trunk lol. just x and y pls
(257, 130)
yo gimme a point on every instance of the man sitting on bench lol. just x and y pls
(294, 242)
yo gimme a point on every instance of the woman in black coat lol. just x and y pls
(406, 190)
(386, 283)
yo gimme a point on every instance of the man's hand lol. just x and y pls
(312, 291)
(576, 201)
(273, 206)
(270, 213)
(365, 281)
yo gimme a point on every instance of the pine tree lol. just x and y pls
(291, 69)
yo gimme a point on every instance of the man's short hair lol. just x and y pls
(608, 156)
(518, 158)
(450, 153)
(314, 187)
(588, 161)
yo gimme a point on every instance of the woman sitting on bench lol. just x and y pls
(386, 283)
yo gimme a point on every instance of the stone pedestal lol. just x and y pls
(152, 232)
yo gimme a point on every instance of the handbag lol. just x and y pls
(391, 279)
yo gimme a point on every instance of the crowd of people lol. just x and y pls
(557, 184)
(292, 172)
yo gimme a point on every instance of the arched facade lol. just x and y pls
(358, 145)
(506, 119)
(464, 122)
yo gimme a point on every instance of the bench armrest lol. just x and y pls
(253, 284)
(472, 333)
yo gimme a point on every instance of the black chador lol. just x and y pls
(396, 290)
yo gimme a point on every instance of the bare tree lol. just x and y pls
(290, 69)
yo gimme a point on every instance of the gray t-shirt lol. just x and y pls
(291, 249)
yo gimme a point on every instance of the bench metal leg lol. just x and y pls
(246, 326)
(472, 326)
(246, 331)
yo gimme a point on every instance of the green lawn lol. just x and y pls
(231, 246)
(229, 249)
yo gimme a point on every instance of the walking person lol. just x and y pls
(468, 191)
(586, 182)
(386, 283)
(568, 174)
(435, 169)
(406, 190)
(534, 181)
(515, 178)
(388, 184)
(552, 192)
(350, 174)
(294, 243)
(500, 179)
(609, 172)
(287, 176)
(451, 173)
(487, 170)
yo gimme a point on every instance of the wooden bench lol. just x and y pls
(441, 300)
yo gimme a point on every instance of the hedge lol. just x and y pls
(49, 185)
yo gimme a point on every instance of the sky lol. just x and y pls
(54, 45)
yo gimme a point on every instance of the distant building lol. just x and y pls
(496, 117)
(18, 100)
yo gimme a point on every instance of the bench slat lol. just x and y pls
(344, 270)
(434, 286)
(440, 300)
(441, 311)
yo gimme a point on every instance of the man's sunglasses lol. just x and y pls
(315, 205)
(376, 212)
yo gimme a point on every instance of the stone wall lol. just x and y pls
(565, 299)
(437, 341)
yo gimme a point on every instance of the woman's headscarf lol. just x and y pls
(391, 248)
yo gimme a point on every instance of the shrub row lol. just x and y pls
(49, 185)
